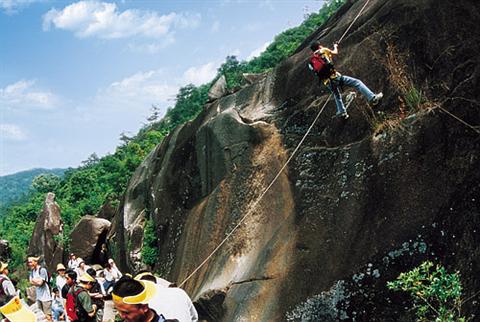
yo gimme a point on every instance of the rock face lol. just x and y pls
(361, 201)
(47, 227)
(87, 239)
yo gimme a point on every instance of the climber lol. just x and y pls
(321, 63)
(131, 298)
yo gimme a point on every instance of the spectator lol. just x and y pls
(70, 280)
(60, 280)
(7, 289)
(39, 278)
(84, 309)
(131, 297)
(111, 274)
(57, 306)
(97, 293)
(173, 302)
(82, 267)
(73, 261)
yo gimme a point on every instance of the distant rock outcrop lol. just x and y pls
(361, 201)
(48, 226)
(5, 251)
(218, 89)
(87, 238)
(253, 78)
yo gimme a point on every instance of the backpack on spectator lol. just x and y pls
(73, 313)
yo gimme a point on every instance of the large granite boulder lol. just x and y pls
(48, 226)
(361, 200)
(87, 238)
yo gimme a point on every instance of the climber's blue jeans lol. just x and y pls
(336, 84)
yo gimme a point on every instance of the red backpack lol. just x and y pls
(322, 67)
(70, 305)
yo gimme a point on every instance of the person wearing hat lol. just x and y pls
(97, 294)
(16, 311)
(85, 310)
(60, 280)
(171, 301)
(39, 278)
(130, 298)
(6, 286)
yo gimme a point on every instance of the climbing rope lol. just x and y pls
(459, 119)
(354, 19)
(257, 201)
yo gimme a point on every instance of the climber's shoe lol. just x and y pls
(343, 115)
(376, 98)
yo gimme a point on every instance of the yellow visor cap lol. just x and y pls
(149, 290)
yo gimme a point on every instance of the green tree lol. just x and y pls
(44, 183)
(435, 292)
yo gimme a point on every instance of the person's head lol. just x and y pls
(315, 45)
(3, 268)
(60, 269)
(55, 291)
(81, 263)
(86, 281)
(32, 262)
(70, 277)
(130, 298)
(72, 256)
(111, 262)
(145, 275)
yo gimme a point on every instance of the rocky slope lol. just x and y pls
(361, 201)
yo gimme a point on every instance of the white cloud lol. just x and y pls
(258, 51)
(23, 94)
(148, 85)
(104, 20)
(12, 132)
(13, 6)
(201, 74)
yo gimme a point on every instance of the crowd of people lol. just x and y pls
(78, 293)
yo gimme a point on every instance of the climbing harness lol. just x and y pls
(257, 201)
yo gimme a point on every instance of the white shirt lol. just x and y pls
(60, 281)
(173, 303)
(7, 285)
(113, 274)
(43, 292)
(73, 263)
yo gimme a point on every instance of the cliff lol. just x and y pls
(361, 201)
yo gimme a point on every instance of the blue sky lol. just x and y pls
(74, 75)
